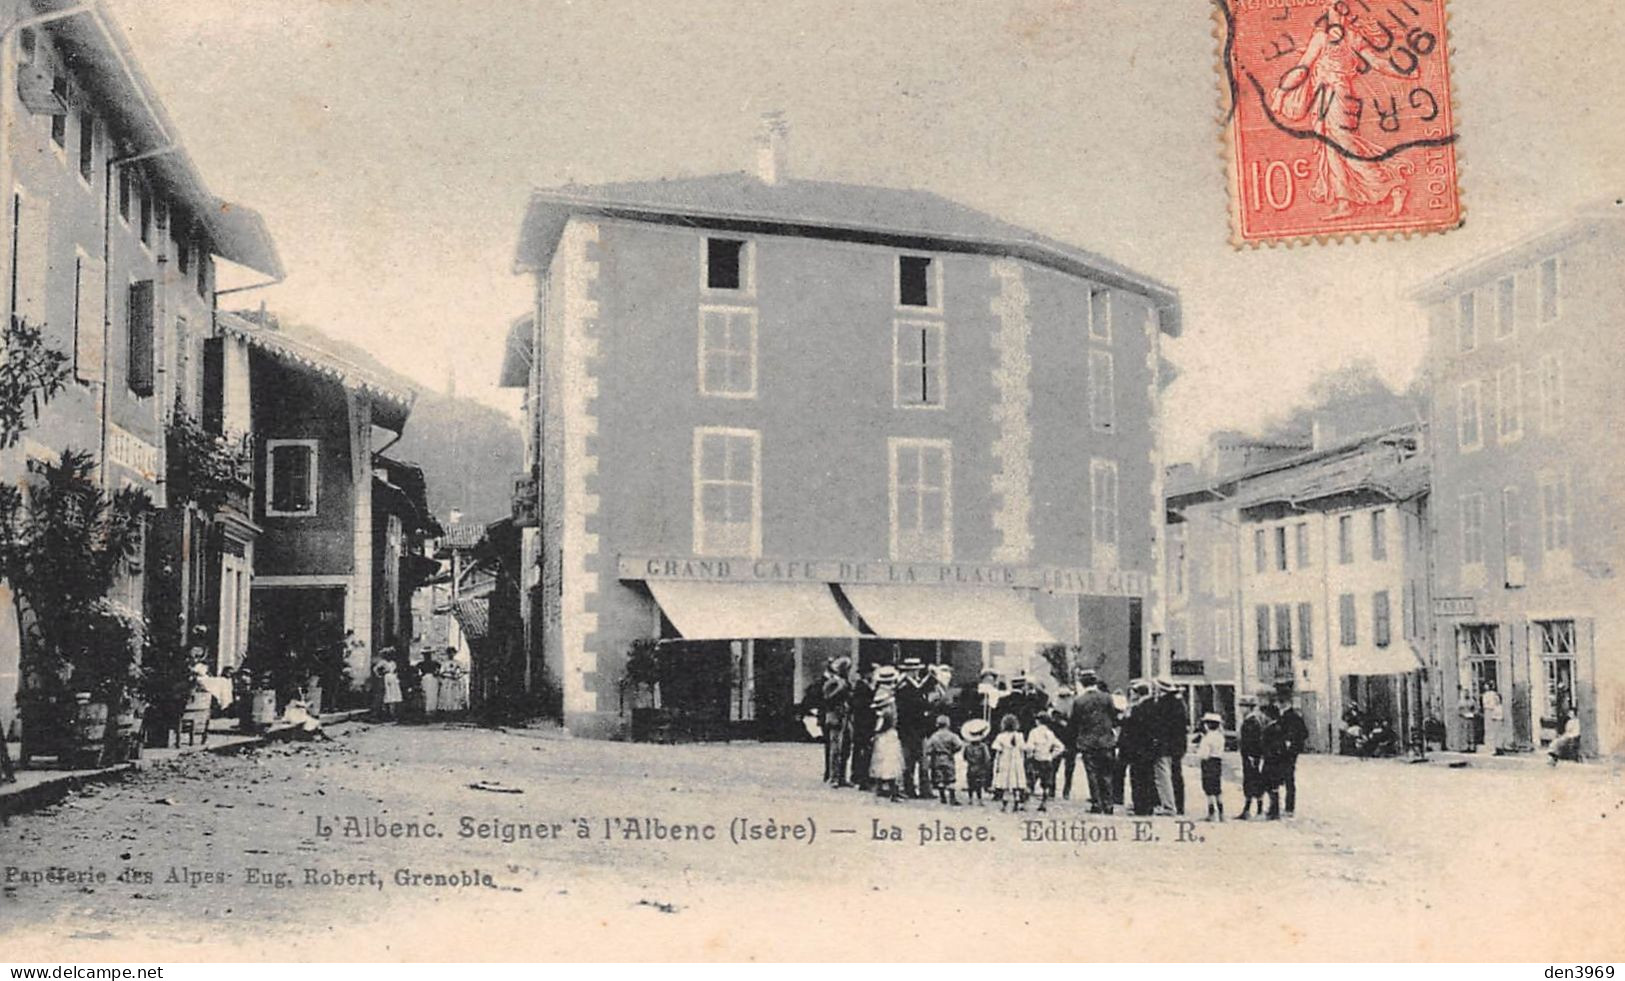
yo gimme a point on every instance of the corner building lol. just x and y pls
(778, 421)
(1523, 356)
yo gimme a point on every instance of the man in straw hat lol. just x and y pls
(915, 718)
(835, 716)
(861, 713)
(1173, 734)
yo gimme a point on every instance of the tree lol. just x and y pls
(31, 374)
(1348, 401)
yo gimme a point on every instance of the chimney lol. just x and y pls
(772, 146)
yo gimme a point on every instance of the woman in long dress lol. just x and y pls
(886, 763)
(1009, 769)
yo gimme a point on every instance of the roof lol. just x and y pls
(405, 481)
(824, 209)
(474, 615)
(1370, 462)
(1486, 267)
(94, 46)
(517, 354)
(309, 349)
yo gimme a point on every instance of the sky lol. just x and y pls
(391, 146)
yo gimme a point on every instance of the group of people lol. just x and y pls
(900, 731)
(426, 687)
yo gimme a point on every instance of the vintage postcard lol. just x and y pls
(743, 480)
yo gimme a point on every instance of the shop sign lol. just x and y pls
(1051, 579)
(1181, 668)
(1455, 606)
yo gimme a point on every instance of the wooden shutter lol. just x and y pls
(33, 257)
(141, 367)
(89, 327)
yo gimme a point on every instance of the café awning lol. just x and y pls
(949, 613)
(740, 611)
(1377, 661)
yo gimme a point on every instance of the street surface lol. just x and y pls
(309, 851)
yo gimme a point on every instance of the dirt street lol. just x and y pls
(457, 843)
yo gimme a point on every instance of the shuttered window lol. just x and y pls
(89, 355)
(140, 369)
(291, 482)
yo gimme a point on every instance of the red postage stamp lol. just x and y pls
(1339, 118)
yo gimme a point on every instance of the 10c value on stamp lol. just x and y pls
(1339, 118)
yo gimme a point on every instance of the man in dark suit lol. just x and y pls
(1173, 739)
(915, 720)
(1094, 734)
(861, 711)
(1295, 738)
(836, 720)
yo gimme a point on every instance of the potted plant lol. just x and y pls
(63, 549)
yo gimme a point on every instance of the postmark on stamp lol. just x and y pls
(1338, 118)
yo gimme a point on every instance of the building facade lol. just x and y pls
(110, 250)
(1319, 562)
(1530, 542)
(778, 421)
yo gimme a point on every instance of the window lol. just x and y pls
(202, 268)
(1512, 522)
(1382, 627)
(183, 364)
(1467, 322)
(27, 42)
(1379, 534)
(1102, 392)
(1554, 512)
(87, 146)
(1306, 632)
(1261, 552)
(1549, 290)
(1280, 548)
(1261, 617)
(1283, 626)
(1472, 529)
(1103, 505)
(918, 370)
(1301, 535)
(146, 215)
(1100, 315)
(727, 492)
(919, 282)
(124, 194)
(1345, 538)
(921, 500)
(1551, 394)
(139, 373)
(1481, 640)
(728, 265)
(1506, 307)
(290, 477)
(727, 352)
(183, 256)
(1221, 637)
(1348, 628)
(59, 122)
(1509, 403)
(89, 361)
(1469, 429)
(1224, 568)
(1557, 638)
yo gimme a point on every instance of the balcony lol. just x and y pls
(527, 500)
(1275, 666)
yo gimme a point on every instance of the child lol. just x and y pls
(1043, 749)
(886, 764)
(941, 749)
(1009, 772)
(1210, 751)
(978, 759)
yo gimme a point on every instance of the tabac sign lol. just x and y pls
(1053, 579)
